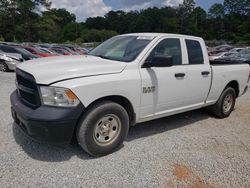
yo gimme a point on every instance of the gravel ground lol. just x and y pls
(187, 150)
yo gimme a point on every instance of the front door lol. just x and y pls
(163, 88)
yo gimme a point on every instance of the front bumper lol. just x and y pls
(45, 123)
(245, 90)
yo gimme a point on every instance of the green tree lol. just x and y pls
(241, 7)
(200, 17)
(48, 27)
(170, 20)
(117, 21)
(1, 38)
(217, 10)
(187, 22)
(97, 23)
(237, 20)
(71, 32)
(216, 15)
(94, 35)
(63, 16)
(19, 18)
(29, 17)
(7, 19)
(23, 20)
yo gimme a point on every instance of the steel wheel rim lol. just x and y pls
(107, 129)
(227, 103)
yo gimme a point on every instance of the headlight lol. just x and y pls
(55, 96)
(7, 58)
(14, 62)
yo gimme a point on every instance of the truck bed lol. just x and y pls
(226, 62)
(224, 73)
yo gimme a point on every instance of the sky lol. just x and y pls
(91, 8)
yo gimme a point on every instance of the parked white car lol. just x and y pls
(221, 55)
(236, 50)
(126, 80)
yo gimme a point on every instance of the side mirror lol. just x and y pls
(159, 61)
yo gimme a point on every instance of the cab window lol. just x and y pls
(195, 55)
(170, 47)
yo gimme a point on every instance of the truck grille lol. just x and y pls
(27, 88)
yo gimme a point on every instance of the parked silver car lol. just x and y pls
(8, 61)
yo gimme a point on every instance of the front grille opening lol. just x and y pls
(25, 83)
(28, 97)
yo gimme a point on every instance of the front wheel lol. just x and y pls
(225, 105)
(103, 128)
(3, 67)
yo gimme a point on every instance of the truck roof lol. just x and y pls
(160, 35)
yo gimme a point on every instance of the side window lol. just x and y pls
(30, 50)
(8, 49)
(195, 55)
(3, 48)
(168, 48)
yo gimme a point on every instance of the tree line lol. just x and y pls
(36, 21)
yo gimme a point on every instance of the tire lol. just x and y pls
(225, 105)
(4, 67)
(102, 128)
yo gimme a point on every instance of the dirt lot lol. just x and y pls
(187, 150)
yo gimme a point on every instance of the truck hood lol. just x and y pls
(54, 69)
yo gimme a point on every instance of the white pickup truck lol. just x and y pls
(128, 79)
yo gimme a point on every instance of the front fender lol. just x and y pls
(89, 89)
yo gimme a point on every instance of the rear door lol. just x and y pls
(198, 74)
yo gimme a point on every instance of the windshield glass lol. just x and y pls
(44, 50)
(25, 52)
(244, 51)
(121, 48)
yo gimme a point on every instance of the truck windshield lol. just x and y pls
(121, 48)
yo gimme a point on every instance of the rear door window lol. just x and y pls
(195, 55)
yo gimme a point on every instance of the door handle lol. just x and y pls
(205, 73)
(180, 75)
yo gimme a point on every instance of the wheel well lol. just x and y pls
(234, 84)
(124, 102)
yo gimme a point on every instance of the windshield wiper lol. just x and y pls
(103, 57)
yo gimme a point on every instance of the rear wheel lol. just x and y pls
(3, 67)
(225, 105)
(103, 128)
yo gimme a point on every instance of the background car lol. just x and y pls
(236, 50)
(242, 57)
(26, 55)
(36, 51)
(60, 51)
(65, 48)
(219, 49)
(8, 62)
(46, 50)
(221, 55)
